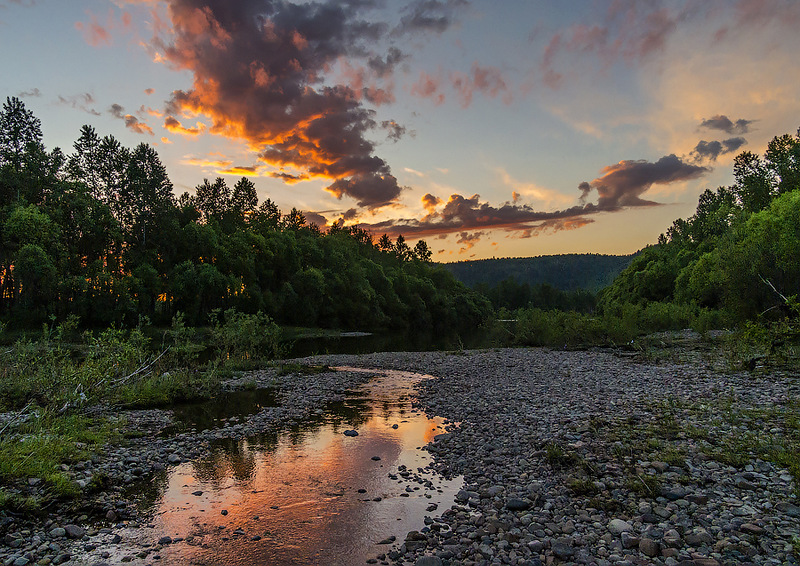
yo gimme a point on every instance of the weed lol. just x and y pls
(557, 457)
(582, 486)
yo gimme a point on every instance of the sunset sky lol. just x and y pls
(512, 128)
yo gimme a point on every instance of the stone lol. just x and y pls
(751, 529)
(649, 547)
(618, 526)
(515, 504)
(163, 541)
(628, 540)
(428, 561)
(350, 432)
(58, 532)
(74, 531)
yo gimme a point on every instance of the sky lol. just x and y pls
(489, 129)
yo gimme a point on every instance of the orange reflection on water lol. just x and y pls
(294, 498)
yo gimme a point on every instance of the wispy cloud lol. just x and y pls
(131, 122)
(82, 101)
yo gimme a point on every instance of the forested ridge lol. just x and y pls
(99, 234)
(565, 272)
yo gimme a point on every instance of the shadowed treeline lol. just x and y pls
(99, 234)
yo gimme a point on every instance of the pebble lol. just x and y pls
(549, 418)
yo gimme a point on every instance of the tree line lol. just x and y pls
(99, 234)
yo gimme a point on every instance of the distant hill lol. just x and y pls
(567, 272)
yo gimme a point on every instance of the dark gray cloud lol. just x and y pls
(315, 218)
(383, 66)
(428, 16)
(258, 68)
(725, 124)
(623, 183)
(713, 149)
(372, 191)
(396, 131)
(34, 92)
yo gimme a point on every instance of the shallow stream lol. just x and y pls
(309, 495)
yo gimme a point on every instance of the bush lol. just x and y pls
(241, 336)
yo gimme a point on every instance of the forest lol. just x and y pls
(566, 272)
(98, 234)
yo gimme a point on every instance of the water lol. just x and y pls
(366, 343)
(293, 497)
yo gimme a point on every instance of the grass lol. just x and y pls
(48, 382)
(39, 447)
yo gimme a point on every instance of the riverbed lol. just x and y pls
(584, 457)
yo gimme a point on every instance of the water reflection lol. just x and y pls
(310, 495)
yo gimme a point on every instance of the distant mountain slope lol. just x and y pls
(567, 272)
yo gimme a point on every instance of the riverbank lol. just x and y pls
(568, 457)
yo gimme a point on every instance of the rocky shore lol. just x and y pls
(568, 458)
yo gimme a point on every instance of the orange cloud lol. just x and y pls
(256, 78)
(174, 126)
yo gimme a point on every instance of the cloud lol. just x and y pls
(258, 70)
(487, 80)
(469, 239)
(430, 202)
(723, 123)
(372, 191)
(174, 126)
(554, 225)
(426, 16)
(396, 131)
(384, 66)
(630, 32)
(34, 92)
(713, 149)
(621, 186)
(97, 34)
(131, 122)
(79, 102)
(427, 86)
(623, 183)
(315, 218)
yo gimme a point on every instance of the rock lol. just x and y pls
(428, 561)
(698, 538)
(163, 541)
(58, 532)
(376, 458)
(618, 526)
(350, 432)
(562, 550)
(74, 531)
(514, 504)
(174, 459)
(649, 547)
(198, 493)
(628, 540)
(21, 561)
(751, 529)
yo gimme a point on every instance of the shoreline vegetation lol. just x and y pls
(116, 295)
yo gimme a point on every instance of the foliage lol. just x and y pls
(241, 336)
(100, 235)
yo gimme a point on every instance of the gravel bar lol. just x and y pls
(569, 457)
